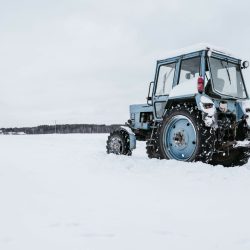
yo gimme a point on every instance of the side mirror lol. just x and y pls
(245, 65)
(149, 98)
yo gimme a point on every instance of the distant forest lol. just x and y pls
(61, 129)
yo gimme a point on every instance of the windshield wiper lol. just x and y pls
(227, 72)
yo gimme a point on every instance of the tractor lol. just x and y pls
(197, 109)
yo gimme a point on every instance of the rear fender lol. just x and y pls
(208, 114)
(179, 101)
(207, 107)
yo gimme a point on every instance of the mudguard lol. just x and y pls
(132, 138)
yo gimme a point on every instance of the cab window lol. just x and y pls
(165, 79)
(190, 69)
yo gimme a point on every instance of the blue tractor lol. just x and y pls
(197, 110)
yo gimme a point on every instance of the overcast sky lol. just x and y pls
(80, 61)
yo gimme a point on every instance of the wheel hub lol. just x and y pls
(180, 138)
(116, 145)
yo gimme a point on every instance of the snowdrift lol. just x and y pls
(65, 192)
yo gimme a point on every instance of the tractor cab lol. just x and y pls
(210, 72)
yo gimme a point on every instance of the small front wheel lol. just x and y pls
(118, 143)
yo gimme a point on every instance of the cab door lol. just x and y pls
(164, 81)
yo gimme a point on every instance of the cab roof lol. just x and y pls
(197, 48)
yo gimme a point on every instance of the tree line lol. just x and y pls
(62, 129)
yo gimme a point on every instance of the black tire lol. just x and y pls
(152, 148)
(234, 157)
(204, 144)
(118, 143)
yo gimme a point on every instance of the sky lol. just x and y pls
(87, 61)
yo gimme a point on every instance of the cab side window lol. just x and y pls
(190, 69)
(165, 79)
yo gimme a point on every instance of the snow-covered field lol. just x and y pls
(64, 192)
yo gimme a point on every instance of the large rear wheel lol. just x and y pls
(183, 136)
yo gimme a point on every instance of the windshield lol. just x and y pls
(227, 78)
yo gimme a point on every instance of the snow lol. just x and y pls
(246, 108)
(209, 119)
(64, 192)
(186, 88)
(199, 47)
(244, 143)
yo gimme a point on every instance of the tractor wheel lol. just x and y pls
(235, 157)
(183, 136)
(118, 143)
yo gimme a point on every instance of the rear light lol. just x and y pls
(200, 85)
